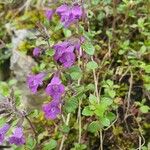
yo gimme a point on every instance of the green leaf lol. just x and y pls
(90, 87)
(144, 109)
(111, 116)
(87, 111)
(89, 48)
(65, 128)
(76, 75)
(92, 65)
(110, 83)
(92, 99)
(50, 145)
(94, 127)
(147, 68)
(100, 109)
(58, 26)
(105, 122)
(75, 72)
(71, 105)
(50, 52)
(14, 147)
(67, 32)
(112, 93)
(78, 146)
(95, 2)
(30, 144)
(107, 101)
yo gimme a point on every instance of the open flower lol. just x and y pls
(3, 131)
(60, 48)
(55, 89)
(51, 109)
(17, 138)
(65, 51)
(34, 81)
(69, 14)
(67, 59)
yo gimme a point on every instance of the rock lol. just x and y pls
(21, 66)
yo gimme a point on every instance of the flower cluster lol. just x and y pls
(16, 138)
(55, 89)
(65, 54)
(69, 14)
(65, 51)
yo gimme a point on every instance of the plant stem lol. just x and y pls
(80, 125)
(101, 140)
(63, 138)
(31, 125)
(79, 107)
(98, 101)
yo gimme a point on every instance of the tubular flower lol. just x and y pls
(51, 110)
(34, 81)
(69, 14)
(55, 89)
(17, 138)
(3, 131)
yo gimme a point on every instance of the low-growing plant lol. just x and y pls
(92, 65)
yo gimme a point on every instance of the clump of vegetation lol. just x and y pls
(91, 63)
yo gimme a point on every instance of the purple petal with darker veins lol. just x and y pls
(51, 110)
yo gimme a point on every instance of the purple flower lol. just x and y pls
(17, 138)
(64, 53)
(62, 9)
(67, 59)
(51, 110)
(34, 81)
(55, 89)
(36, 52)
(60, 49)
(49, 14)
(77, 11)
(69, 14)
(3, 131)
